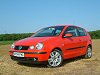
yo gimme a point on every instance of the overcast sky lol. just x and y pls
(24, 16)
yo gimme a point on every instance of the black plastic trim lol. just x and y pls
(75, 48)
(31, 52)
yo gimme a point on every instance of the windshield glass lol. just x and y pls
(49, 31)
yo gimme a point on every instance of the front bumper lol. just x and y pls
(30, 57)
(27, 60)
(24, 59)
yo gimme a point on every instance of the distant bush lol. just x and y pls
(13, 37)
(95, 34)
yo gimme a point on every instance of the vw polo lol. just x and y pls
(53, 44)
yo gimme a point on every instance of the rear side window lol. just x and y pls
(81, 32)
(71, 30)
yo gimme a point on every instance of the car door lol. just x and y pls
(71, 44)
(82, 39)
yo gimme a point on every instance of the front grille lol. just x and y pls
(21, 47)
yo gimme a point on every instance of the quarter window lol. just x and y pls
(81, 32)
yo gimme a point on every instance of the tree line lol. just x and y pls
(95, 34)
(13, 37)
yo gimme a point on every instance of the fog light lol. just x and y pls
(35, 59)
(12, 46)
(31, 47)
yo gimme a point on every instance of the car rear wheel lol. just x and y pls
(55, 58)
(88, 53)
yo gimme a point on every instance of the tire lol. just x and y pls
(55, 59)
(88, 52)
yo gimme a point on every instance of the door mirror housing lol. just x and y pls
(67, 35)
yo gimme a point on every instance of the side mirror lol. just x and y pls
(68, 35)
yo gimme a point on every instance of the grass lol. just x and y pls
(6, 42)
(77, 66)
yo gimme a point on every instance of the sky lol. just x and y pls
(28, 16)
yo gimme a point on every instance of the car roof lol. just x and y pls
(66, 25)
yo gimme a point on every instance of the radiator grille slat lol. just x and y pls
(21, 47)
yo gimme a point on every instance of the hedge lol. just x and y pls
(13, 37)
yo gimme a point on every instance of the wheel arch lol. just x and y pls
(90, 46)
(59, 50)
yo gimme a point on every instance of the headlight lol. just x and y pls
(12, 46)
(39, 46)
(31, 47)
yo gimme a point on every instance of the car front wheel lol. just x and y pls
(55, 58)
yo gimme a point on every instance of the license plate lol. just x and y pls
(17, 54)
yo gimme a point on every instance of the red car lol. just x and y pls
(53, 44)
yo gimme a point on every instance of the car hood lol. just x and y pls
(32, 40)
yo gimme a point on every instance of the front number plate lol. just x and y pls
(17, 54)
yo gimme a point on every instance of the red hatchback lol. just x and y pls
(53, 44)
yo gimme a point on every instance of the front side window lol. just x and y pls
(49, 31)
(81, 32)
(71, 30)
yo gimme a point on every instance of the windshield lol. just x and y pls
(49, 31)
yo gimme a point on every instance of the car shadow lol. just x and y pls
(72, 60)
(33, 65)
(43, 65)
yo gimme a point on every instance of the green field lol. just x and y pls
(6, 42)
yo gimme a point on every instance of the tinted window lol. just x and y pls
(49, 31)
(71, 30)
(81, 32)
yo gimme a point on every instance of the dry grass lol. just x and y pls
(76, 66)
